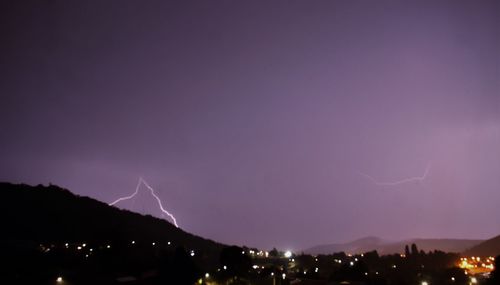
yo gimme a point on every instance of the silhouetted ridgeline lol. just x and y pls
(49, 233)
(52, 214)
(51, 236)
(489, 247)
(392, 247)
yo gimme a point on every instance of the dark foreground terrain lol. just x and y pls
(51, 236)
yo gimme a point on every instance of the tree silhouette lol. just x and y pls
(414, 249)
(273, 252)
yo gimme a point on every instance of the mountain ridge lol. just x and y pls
(489, 247)
(382, 246)
(54, 214)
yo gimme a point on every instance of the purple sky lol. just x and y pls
(254, 120)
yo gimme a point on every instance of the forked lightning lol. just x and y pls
(137, 188)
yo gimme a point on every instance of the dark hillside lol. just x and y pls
(52, 214)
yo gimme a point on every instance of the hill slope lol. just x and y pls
(52, 214)
(356, 246)
(446, 245)
(489, 247)
(386, 247)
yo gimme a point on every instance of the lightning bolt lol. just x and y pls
(399, 182)
(137, 188)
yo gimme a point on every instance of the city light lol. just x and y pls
(474, 265)
(315, 131)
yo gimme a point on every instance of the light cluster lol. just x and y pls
(476, 264)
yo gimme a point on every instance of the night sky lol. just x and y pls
(259, 122)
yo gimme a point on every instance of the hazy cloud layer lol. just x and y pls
(253, 120)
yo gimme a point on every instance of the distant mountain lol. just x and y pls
(446, 245)
(391, 247)
(52, 214)
(489, 247)
(356, 246)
